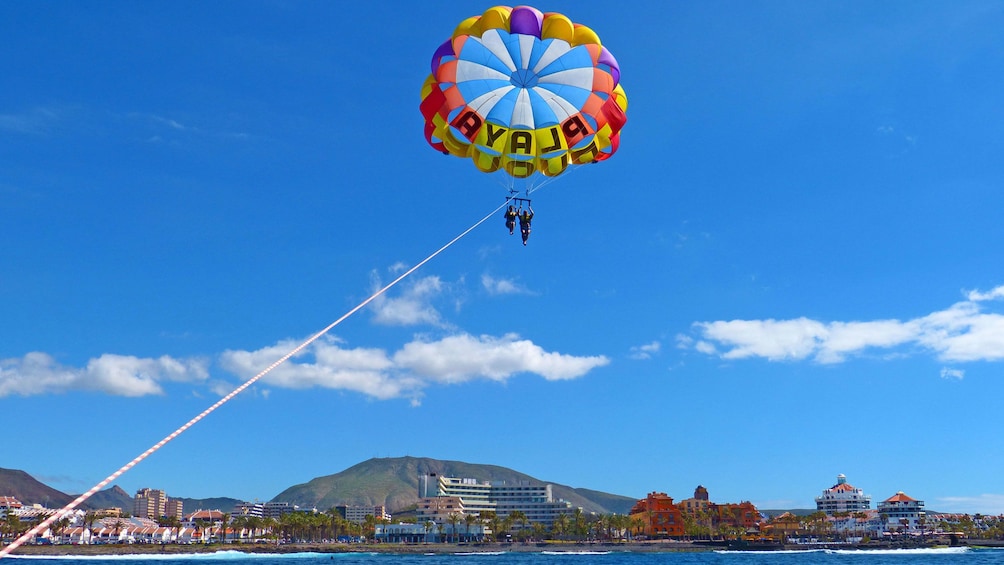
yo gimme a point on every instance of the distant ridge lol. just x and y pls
(28, 490)
(114, 497)
(393, 482)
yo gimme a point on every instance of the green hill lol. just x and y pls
(393, 482)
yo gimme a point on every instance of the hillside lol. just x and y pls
(393, 482)
(113, 497)
(29, 490)
(25, 488)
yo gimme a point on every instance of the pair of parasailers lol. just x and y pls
(524, 217)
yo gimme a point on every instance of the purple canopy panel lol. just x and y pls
(444, 50)
(526, 21)
(607, 58)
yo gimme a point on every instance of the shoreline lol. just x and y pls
(422, 548)
(648, 546)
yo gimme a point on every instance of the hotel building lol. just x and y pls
(843, 497)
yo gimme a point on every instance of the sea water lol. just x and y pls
(947, 556)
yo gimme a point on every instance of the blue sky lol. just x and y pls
(791, 269)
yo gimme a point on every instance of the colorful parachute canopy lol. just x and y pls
(521, 91)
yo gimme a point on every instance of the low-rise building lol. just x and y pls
(658, 516)
(8, 504)
(439, 509)
(358, 514)
(430, 532)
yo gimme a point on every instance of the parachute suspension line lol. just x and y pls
(548, 180)
(80, 499)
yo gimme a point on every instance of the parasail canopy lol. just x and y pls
(524, 92)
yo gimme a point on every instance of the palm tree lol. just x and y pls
(468, 520)
(453, 519)
(224, 521)
(506, 526)
(117, 528)
(517, 517)
(56, 528)
(369, 526)
(579, 523)
(491, 520)
(270, 527)
(560, 526)
(239, 524)
(12, 526)
(635, 524)
(600, 527)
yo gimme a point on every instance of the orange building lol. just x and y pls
(743, 514)
(658, 515)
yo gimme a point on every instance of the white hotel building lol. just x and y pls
(843, 497)
(500, 497)
(901, 513)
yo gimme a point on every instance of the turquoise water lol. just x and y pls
(952, 556)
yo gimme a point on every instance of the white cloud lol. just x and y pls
(410, 370)
(324, 364)
(465, 357)
(977, 296)
(412, 307)
(120, 375)
(645, 351)
(496, 286)
(947, 373)
(960, 333)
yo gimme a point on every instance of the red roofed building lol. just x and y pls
(843, 497)
(8, 503)
(659, 517)
(902, 513)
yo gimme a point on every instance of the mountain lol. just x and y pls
(25, 488)
(393, 482)
(113, 497)
(28, 490)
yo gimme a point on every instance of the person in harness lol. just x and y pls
(510, 219)
(524, 223)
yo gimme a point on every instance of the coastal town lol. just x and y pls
(468, 511)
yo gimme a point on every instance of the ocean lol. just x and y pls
(947, 556)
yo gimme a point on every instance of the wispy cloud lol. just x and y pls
(497, 286)
(963, 332)
(166, 128)
(948, 373)
(119, 375)
(645, 351)
(412, 307)
(35, 122)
